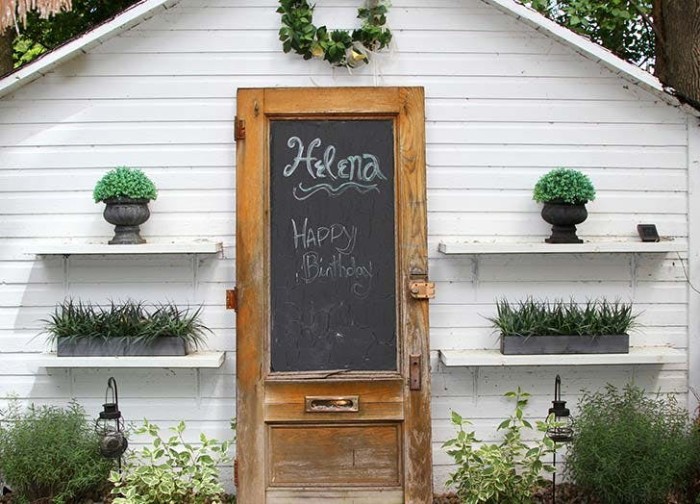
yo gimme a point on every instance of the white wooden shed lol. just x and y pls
(508, 96)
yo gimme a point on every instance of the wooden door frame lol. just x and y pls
(255, 107)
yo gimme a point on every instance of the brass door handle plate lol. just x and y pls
(332, 404)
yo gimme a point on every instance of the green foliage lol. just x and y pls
(338, 47)
(622, 26)
(531, 317)
(74, 320)
(50, 453)
(123, 182)
(25, 50)
(48, 34)
(629, 448)
(504, 473)
(564, 185)
(171, 470)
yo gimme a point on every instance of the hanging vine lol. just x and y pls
(338, 47)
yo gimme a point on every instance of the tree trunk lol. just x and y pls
(678, 46)
(6, 38)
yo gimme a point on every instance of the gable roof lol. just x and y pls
(132, 16)
(149, 8)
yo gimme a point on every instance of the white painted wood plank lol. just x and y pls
(193, 360)
(255, 63)
(528, 227)
(199, 40)
(620, 247)
(158, 248)
(512, 178)
(647, 355)
(58, 88)
(546, 156)
(610, 202)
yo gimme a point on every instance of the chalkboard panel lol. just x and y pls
(332, 260)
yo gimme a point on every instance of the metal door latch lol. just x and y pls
(422, 289)
(232, 299)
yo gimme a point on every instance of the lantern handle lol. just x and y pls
(557, 388)
(112, 385)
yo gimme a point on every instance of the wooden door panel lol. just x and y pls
(329, 409)
(335, 455)
(326, 496)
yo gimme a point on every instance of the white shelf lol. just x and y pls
(195, 247)
(193, 360)
(637, 355)
(620, 247)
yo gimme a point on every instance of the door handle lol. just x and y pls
(415, 372)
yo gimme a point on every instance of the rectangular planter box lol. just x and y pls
(571, 344)
(112, 347)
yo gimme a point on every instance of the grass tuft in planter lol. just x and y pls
(532, 326)
(128, 328)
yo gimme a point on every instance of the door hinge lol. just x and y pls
(239, 129)
(232, 299)
(415, 372)
(421, 289)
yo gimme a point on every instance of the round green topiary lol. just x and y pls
(564, 185)
(124, 182)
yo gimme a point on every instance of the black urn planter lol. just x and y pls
(563, 217)
(126, 215)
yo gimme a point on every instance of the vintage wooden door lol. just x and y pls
(333, 394)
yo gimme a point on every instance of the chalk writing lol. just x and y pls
(337, 267)
(339, 236)
(316, 264)
(357, 171)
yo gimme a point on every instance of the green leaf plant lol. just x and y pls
(124, 182)
(500, 473)
(564, 185)
(171, 470)
(337, 47)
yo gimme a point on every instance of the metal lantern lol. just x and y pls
(110, 425)
(562, 432)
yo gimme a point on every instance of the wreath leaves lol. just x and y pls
(338, 47)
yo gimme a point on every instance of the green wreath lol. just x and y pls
(338, 47)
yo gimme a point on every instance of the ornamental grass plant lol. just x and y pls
(531, 317)
(74, 320)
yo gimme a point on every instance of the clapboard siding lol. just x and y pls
(504, 103)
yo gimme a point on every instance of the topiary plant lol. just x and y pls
(124, 182)
(564, 185)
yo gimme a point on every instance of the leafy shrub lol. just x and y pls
(538, 318)
(499, 473)
(564, 185)
(51, 453)
(123, 182)
(74, 320)
(171, 470)
(629, 448)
